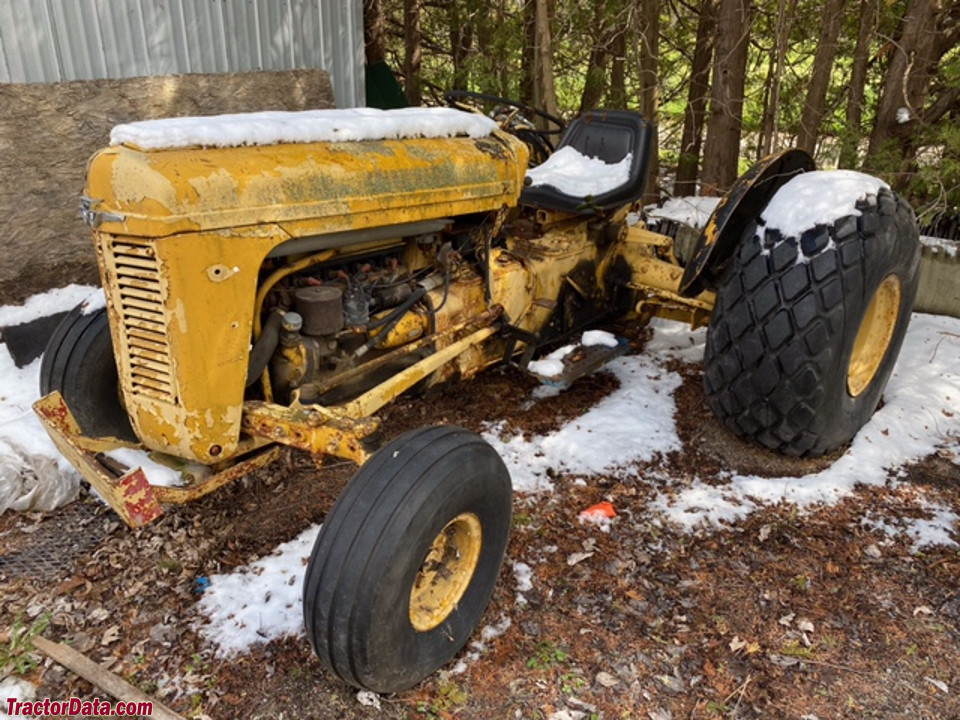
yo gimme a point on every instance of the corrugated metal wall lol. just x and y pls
(58, 40)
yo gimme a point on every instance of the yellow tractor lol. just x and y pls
(275, 279)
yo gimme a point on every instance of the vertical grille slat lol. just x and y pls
(139, 299)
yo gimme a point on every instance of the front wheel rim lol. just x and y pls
(446, 572)
(874, 336)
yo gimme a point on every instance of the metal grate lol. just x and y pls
(140, 302)
(49, 549)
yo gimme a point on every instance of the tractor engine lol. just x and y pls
(322, 326)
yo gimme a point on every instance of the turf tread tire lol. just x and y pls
(786, 317)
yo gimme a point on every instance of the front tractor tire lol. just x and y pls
(407, 559)
(78, 361)
(806, 330)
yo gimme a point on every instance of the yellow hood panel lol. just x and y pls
(308, 188)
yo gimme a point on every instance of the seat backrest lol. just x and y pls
(609, 135)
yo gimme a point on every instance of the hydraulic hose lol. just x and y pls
(397, 312)
(390, 322)
(264, 347)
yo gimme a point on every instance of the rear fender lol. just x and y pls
(744, 202)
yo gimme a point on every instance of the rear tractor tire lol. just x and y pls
(407, 559)
(806, 330)
(79, 362)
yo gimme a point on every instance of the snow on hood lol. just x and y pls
(271, 127)
(575, 174)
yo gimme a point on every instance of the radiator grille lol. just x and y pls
(140, 302)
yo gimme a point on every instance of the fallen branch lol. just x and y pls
(93, 673)
(739, 692)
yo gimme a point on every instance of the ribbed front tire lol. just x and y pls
(407, 559)
(79, 362)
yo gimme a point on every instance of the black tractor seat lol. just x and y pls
(609, 135)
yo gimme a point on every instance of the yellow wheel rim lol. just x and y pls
(446, 572)
(874, 335)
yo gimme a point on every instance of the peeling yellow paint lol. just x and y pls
(180, 315)
(329, 186)
(219, 189)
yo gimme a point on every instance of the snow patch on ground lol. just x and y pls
(676, 341)
(524, 575)
(575, 174)
(156, 473)
(49, 303)
(701, 505)
(693, 211)
(602, 522)
(937, 529)
(632, 424)
(919, 411)
(950, 248)
(818, 198)
(16, 688)
(271, 127)
(478, 647)
(260, 602)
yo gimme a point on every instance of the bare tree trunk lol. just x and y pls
(765, 138)
(649, 87)
(545, 94)
(617, 97)
(688, 163)
(722, 146)
(770, 127)
(528, 70)
(815, 106)
(929, 31)
(411, 53)
(906, 78)
(374, 31)
(491, 75)
(595, 79)
(858, 81)
(503, 69)
(461, 41)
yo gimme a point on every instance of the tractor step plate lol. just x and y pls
(561, 368)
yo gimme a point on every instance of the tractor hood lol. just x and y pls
(304, 188)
